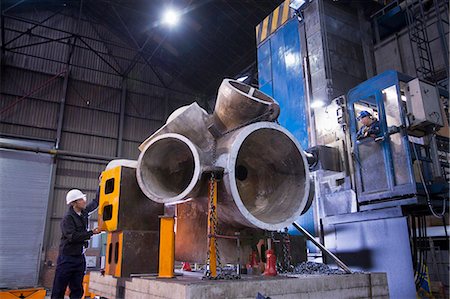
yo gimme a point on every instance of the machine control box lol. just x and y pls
(424, 106)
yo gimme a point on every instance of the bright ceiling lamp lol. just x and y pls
(171, 17)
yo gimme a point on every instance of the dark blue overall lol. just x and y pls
(71, 264)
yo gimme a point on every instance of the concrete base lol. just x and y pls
(190, 285)
(107, 286)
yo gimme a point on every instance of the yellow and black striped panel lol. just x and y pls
(273, 21)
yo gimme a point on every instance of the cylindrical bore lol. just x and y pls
(268, 176)
(168, 168)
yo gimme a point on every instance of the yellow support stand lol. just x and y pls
(166, 247)
(212, 232)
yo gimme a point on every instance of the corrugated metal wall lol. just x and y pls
(24, 183)
(31, 93)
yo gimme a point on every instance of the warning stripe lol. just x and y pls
(272, 22)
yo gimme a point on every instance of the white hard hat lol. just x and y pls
(74, 195)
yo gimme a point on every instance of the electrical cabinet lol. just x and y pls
(423, 104)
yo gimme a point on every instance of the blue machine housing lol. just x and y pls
(280, 75)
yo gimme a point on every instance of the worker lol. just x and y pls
(71, 264)
(370, 128)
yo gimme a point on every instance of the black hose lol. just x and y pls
(417, 261)
(425, 243)
(419, 251)
(414, 240)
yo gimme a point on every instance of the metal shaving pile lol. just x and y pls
(315, 268)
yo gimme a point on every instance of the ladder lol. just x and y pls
(418, 36)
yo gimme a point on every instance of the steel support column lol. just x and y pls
(62, 104)
(123, 99)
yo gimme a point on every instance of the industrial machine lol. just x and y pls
(371, 195)
(371, 192)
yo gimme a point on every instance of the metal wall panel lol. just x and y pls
(19, 82)
(96, 77)
(89, 95)
(144, 88)
(142, 71)
(130, 149)
(137, 129)
(88, 121)
(21, 131)
(146, 106)
(87, 58)
(55, 233)
(23, 61)
(77, 174)
(23, 214)
(88, 144)
(29, 112)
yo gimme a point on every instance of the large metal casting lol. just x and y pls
(265, 182)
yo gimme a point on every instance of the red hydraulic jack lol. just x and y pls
(185, 266)
(271, 260)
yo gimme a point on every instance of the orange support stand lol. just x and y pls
(211, 229)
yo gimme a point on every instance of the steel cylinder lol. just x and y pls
(169, 168)
(266, 178)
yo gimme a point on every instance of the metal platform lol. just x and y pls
(190, 285)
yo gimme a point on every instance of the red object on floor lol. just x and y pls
(253, 261)
(185, 266)
(271, 262)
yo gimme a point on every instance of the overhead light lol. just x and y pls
(242, 79)
(317, 104)
(296, 4)
(171, 17)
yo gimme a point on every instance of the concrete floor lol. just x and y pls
(190, 285)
